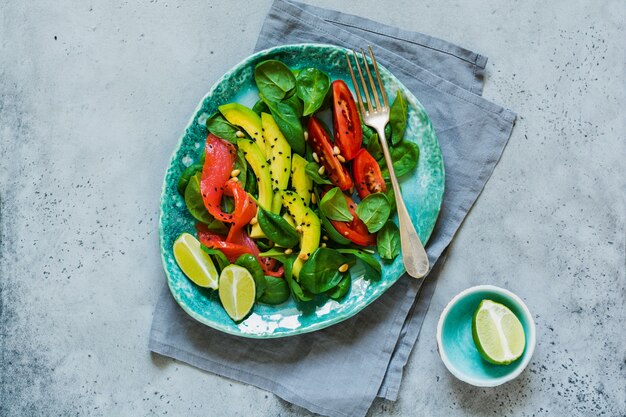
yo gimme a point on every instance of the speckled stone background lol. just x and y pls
(93, 96)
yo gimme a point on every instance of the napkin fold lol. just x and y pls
(339, 371)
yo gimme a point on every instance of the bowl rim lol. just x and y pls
(531, 337)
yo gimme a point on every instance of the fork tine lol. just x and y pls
(369, 75)
(354, 83)
(367, 94)
(380, 81)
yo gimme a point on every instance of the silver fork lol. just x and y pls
(413, 252)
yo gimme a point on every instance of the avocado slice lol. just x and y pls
(256, 159)
(301, 183)
(310, 224)
(277, 152)
(244, 117)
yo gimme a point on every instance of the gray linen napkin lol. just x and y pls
(339, 371)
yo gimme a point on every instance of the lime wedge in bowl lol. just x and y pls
(194, 262)
(497, 333)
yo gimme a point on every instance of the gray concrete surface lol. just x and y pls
(93, 95)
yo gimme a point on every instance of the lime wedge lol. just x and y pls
(498, 333)
(194, 262)
(237, 291)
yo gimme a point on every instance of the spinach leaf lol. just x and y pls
(263, 244)
(218, 255)
(397, 118)
(391, 196)
(312, 86)
(195, 205)
(373, 147)
(221, 128)
(374, 210)
(321, 272)
(388, 241)
(274, 80)
(242, 166)
(332, 233)
(312, 170)
(251, 186)
(335, 207)
(277, 254)
(341, 289)
(404, 157)
(277, 229)
(287, 114)
(253, 266)
(189, 172)
(299, 293)
(372, 266)
(260, 107)
(276, 291)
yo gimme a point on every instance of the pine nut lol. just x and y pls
(254, 221)
(321, 170)
(288, 251)
(239, 134)
(341, 159)
(336, 150)
(235, 172)
(317, 159)
(344, 268)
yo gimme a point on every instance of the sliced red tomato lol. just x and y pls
(219, 161)
(321, 145)
(354, 230)
(346, 121)
(367, 176)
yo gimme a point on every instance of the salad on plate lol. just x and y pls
(286, 206)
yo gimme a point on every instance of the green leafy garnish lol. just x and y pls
(335, 206)
(404, 157)
(274, 80)
(277, 229)
(321, 272)
(374, 210)
(260, 107)
(221, 128)
(218, 255)
(312, 86)
(388, 241)
(312, 170)
(372, 266)
(253, 266)
(276, 291)
(195, 205)
(189, 172)
(397, 118)
(341, 289)
(287, 114)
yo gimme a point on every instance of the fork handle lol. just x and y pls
(413, 253)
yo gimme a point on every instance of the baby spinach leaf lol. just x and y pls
(189, 172)
(328, 227)
(251, 186)
(287, 114)
(274, 80)
(374, 210)
(321, 272)
(397, 118)
(391, 196)
(263, 244)
(260, 107)
(388, 241)
(195, 205)
(372, 266)
(312, 170)
(277, 229)
(312, 86)
(242, 166)
(278, 254)
(253, 266)
(335, 207)
(373, 147)
(299, 293)
(221, 128)
(404, 157)
(276, 291)
(340, 290)
(218, 255)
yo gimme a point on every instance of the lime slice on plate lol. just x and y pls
(194, 262)
(498, 333)
(237, 291)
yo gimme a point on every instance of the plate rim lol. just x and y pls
(317, 325)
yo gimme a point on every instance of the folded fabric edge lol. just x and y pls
(238, 375)
(350, 40)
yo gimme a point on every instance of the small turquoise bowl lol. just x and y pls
(456, 346)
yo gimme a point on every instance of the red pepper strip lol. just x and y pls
(245, 208)
(220, 158)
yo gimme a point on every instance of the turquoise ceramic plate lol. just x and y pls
(423, 192)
